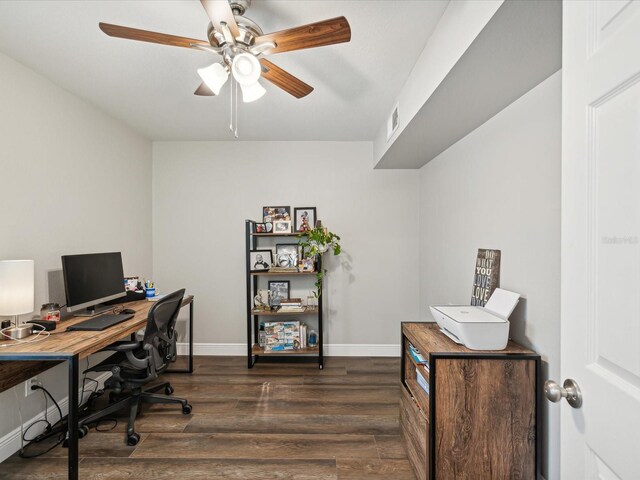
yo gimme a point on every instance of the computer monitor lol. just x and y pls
(92, 279)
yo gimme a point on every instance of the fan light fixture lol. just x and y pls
(215, 76)
(246, 71)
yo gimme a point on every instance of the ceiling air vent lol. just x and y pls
(392, 123)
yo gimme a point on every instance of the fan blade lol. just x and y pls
(147, 36)
(327, 32)
(220, 11)
(284, 80)
(204, 91)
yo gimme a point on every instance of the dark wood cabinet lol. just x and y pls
(477, 416)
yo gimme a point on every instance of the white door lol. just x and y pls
(601, 238)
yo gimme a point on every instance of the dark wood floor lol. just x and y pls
(282, 421)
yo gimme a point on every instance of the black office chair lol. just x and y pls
(137, 363)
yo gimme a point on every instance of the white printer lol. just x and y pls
(478, 328)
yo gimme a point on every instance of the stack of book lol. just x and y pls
(282, 336)
(422, 363)
(291, 305)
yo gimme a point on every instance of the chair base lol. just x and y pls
(133, 401)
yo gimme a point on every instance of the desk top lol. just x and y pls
(61, 344)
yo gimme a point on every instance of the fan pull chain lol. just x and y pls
(235, 133)
(231, 106)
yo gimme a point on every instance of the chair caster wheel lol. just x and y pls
(133, 439)
(186, 409)
(83, 431)
(168, 390)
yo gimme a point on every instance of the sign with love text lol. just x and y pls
(486, 277)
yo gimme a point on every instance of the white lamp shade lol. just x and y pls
(16, 287)
(251, 93)
(215, 76)
(246, 69)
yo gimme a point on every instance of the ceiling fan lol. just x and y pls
(242, 45)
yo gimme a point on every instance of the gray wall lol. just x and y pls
(73, 181)
(202, 192)
(499, 187)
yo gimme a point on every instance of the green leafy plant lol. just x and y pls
(316, 242)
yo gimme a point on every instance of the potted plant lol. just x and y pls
(317, 241)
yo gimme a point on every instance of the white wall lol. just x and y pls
(460, 24)
(73, 181)
(499, 187)
(203, 191)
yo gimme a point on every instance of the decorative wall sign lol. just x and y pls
(486, 277)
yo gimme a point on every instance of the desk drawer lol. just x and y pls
(415, 433)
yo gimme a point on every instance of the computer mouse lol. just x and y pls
(127, 311)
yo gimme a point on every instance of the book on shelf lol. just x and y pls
(418, 357)
(282, 336)
(422, 382)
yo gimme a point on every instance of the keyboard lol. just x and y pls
(99, 323)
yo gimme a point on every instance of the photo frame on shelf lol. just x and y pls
(287, 254)
(308, 265)
(260, 228)
(304, 218)
(272, 214)
(279, 290)
(260, 260)
(282, 226)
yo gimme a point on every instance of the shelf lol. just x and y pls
(282, 273)
(422, 399)
(267, 313)
(291, 234)
(258, 350)
(419, 366)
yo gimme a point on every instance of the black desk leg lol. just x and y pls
(191, 337)
(73, 417)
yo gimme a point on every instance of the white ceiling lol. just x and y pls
(150, 87)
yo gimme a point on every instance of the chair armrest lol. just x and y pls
(123, 346)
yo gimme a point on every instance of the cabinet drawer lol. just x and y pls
(415, 433)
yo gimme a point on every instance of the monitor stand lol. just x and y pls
(93, 311)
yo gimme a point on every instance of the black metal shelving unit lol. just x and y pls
(254, 351)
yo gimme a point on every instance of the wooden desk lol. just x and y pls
(71, 347)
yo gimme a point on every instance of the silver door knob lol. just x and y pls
(569, 390)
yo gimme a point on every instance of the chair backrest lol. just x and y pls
(160, 336)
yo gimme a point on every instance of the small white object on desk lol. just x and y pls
(478, 328)
(156, 298)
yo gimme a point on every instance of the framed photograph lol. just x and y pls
(282, 226)
(260, 260)
(308, 265)
(279, 290)
(259, 228)
(305, 218)
(271, 214)
(287, 255)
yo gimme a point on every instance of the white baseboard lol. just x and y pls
(330, 350)
(10, 443)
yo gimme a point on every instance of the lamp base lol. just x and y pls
(19, 332)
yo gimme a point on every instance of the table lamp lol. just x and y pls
(17, 294)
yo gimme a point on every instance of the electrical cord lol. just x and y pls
(39, 335)
(48, 430)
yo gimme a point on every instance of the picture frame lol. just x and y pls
(279, 289)
(260, 260)
(281, 226)
(287, 254)
(260, 228)
(304, 218)
(308, 265)
(272, 214)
